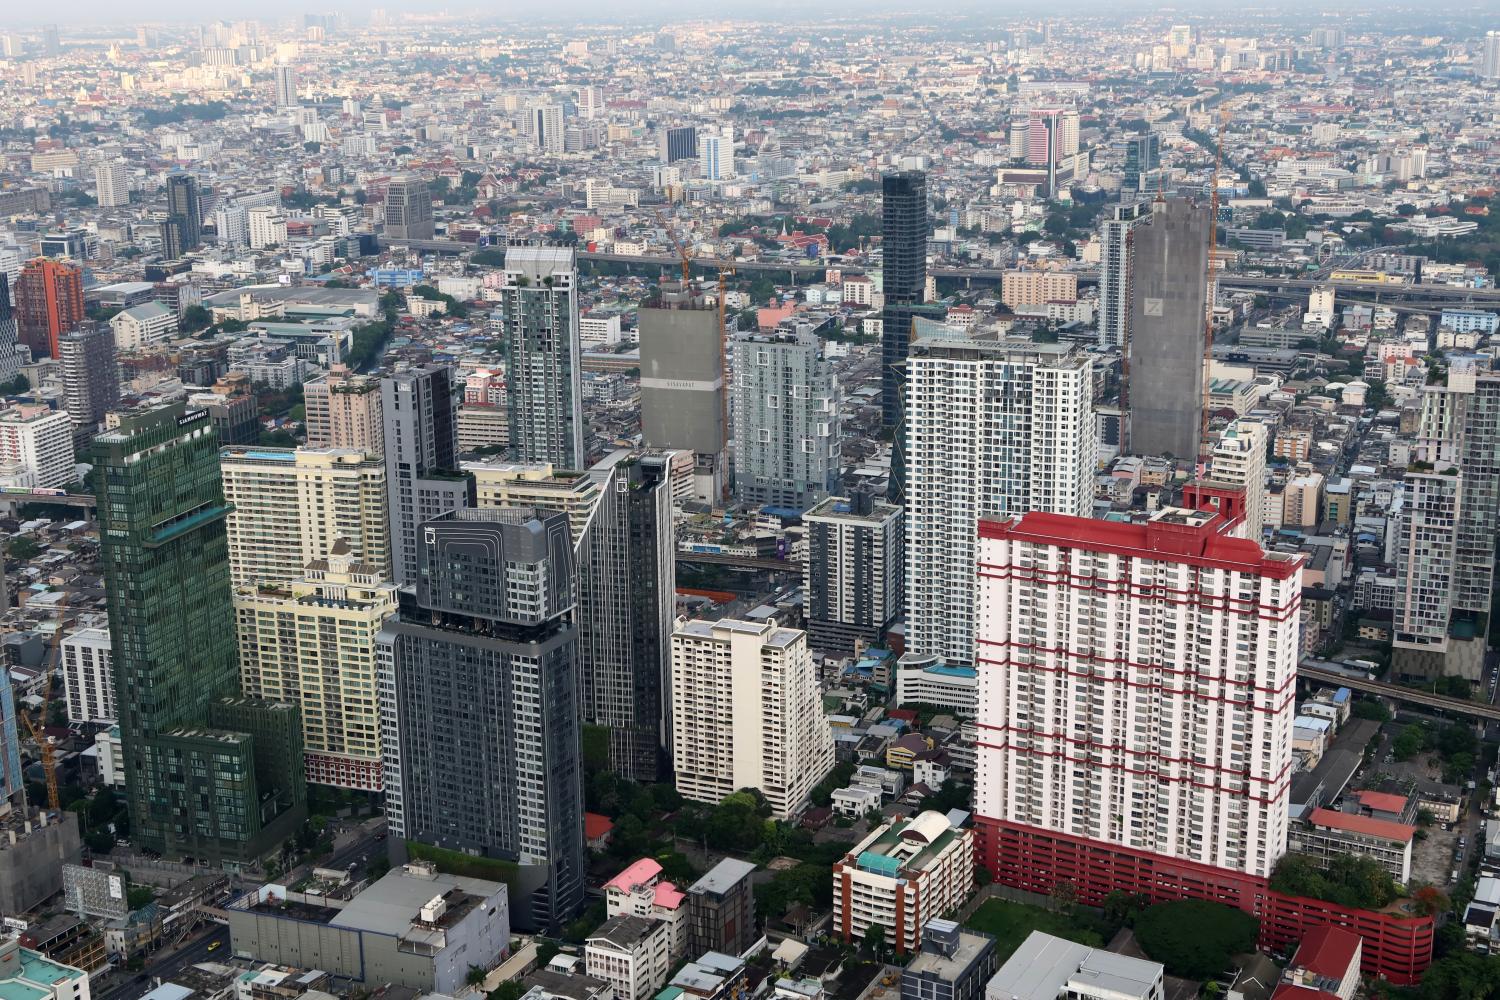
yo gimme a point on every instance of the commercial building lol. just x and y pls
(1200, 769)
(143, 325)
(682, 383)
(1142, 166)
(36, 447)
(537, 321)
(786, 440)
(927, 680)
(747, 712)
(678, 142)
(721, 909)
(419, 438)
(90, 376)
(632, 954)
(1115, 255)
(292, 504)
(408, 209)
(901, 876)
(49, 303)
(88, 680)
(343, 411)
(1325, 834)
(1045, 967)
(312, 641)
(212, 775)
(479, 704)
(953, 964)
(30, 975)
(1166, 340)
(716, 154)
(414, 928)
(904, 229)
(992, 428)
(35, 844)
(185, 211)
(10, 354)
(853, 573)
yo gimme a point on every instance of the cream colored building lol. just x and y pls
(1239, 459)
(482, 425)
(901, 876)
(1037, 288)
(292, 504)
(747, 712)
(509, 484)
(312, 641)
(344, 411)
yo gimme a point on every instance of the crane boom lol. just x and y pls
(682, 251)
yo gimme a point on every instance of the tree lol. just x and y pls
(22, 548)
(475, 975)
(1064, 896)
(1410, 742)
(1194, 938)
(511, 989)
(138, 896)
(193, 319)
(874, 940)
(1370, 708)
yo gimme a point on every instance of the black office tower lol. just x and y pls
(904, 276)
(184, 206)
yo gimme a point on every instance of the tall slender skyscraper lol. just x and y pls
(91, 375)
(420, 436)
(185, 208)
(210, 774)
(49, 303)
(1489, 57)
(479, 705)
(537, 321)
(112, 184)
(408, 209)
(682, 383)
(286, 86)
(1117, 248)
(1142, 166)
(10, 357)
(903, 245)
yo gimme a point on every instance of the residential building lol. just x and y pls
(311, 641)
(547, 129)
(682, 383)
(408, 209)
(419, 437)
(414, 928)
(786, 438)
(10, 749)
(212, 775)
(285, 81)
(143, 325)
(10, 354)
(1239, 461)
(640, 891)
(1051, 138)
(853, 572)
(716, 154)
(1166, 339)
(1115, 254)
(479, 704)
(343, 411)
(747, 712)
(904, 228)
(36, 445)
(1045, 967)
(1325, 834)
(111, 184)
(482, 428)
(1327, 963)
(33, 976)
(291, 505)
(90, 376)
(49, 303)
(927, 680)
(992, 428)
(1489, 57)
(632, 954)
(537, 320)
(721, 909)
(88, 681)
(953, 964)
(1020, 289)
(1193, 772)
(903, 874)
(267, 227)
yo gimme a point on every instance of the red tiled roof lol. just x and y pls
(1367, 825)
(596, 826)
(1327, 951)
(1383, 801)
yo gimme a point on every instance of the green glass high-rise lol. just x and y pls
(209, 774)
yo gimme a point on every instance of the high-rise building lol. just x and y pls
(903, 227)
(1167, 333)
(590, 101)
(10, 354)
(1093, 739)
(1051, 138)
(88, 678)
(51, 42)
(992, 429)
(420, 438)
(1142, 166)
(312, 641)
(547, 129)
(292, 505)
(537, 321)
(185, 207)
(679, 142)
(210, 774)
(111, 184)
(1239, 461)
(852, 579)
(716, 154)
(408, 209)
(786, 436)
(11, 786)
(343, 411)
(286, 86)
(90, 375)
(49, 303)
(1489, 58)
(747, 713)
(36, 447)
(682, 383)
(1115, 254)
(479, 705)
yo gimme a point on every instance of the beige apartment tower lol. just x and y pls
(343, 411)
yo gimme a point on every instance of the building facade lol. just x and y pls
(537, 320)
(854, 571)
(88, 679)
(786, 437)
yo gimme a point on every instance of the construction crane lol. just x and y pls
(726, 268)
(682, 251)
(1205, 447)
(38, 735)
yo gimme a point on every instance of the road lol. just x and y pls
(163, 965)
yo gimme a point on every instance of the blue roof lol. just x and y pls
(272, 456)
(1341, 695)
(949, 670)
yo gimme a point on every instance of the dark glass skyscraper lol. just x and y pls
(420, 430)
(904, 278)
(479, 704)
(1142, 164)
(209, 774)
(185, 208)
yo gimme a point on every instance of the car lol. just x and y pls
(215, 945)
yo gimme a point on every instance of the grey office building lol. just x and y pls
(954, 964)
(537, 321)
(903, 278)
(786, 439)
(721, 909)
(10, 354)
(626, 606)
(186, 209)
(1116, 247)
(408, 209)
(479, 704)
(682, 382)
(420, 432)
(678, 143)
(854, 571)
(1142, 166)
(90, 375)
(1167, 335)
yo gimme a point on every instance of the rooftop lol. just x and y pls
(1044, 965)
(723, 877)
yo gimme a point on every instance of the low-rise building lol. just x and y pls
(954, 964)
(1046, 967)
(927, 680)
(1326, 834)
(901, 876)
(640, 891)
(721, 909)
(1327, 962)
(30, 975)
(633, 954)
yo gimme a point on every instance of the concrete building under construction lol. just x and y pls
(682, 382)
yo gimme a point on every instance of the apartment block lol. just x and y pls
(36, 448)
(343, 411)
(632, 954)
(901, 876)
(88, 680)
(1037, 288)
(854, 570)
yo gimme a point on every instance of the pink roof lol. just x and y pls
(1367, 825)
(1327, 951)
(668, 896)
(638, 873)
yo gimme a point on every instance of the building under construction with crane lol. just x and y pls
(682, 382)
